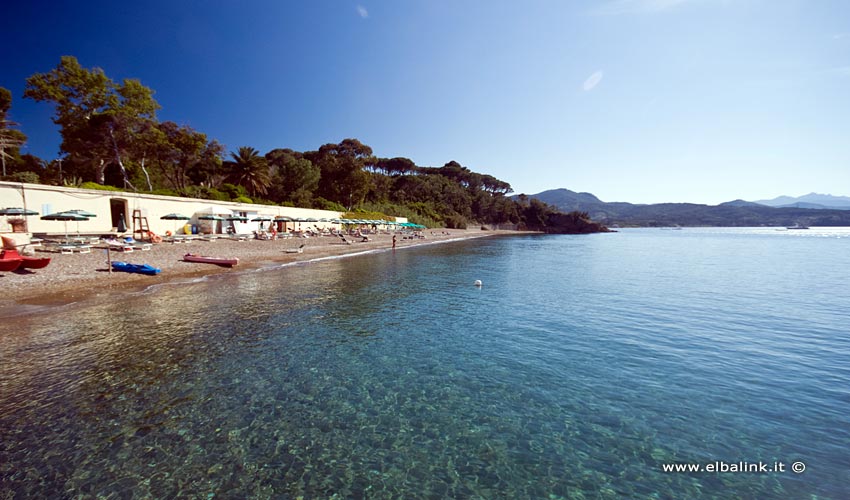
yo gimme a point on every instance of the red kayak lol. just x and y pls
(10, 260)
(220, 261)
(26, 262)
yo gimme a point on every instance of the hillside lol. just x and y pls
(734, 213)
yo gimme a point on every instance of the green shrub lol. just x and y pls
(27, 177)
(94, 185)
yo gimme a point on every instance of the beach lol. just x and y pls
(74, 277)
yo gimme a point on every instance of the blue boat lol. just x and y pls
(135, 268)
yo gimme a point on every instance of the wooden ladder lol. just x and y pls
(140, 225)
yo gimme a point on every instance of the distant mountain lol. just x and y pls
(811, 200)
(733, 213)
(740, 203)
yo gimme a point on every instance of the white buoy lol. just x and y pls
(478, 283)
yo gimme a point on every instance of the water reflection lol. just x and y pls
(392, 376)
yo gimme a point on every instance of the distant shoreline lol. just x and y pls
(80, 277)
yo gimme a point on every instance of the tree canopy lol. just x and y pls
(111, 136)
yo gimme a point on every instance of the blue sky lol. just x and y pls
(643, 101)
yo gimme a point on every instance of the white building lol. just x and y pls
(137, 208)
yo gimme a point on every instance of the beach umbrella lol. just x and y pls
(17, 211)
(65, 217)
(84, 213)
(212, 217)
(284, 219)
(175, 218)
(236, 218)
(261, 219)
(81, 213)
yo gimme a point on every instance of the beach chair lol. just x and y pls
(119, 246)
(344, 240)
(69, 249)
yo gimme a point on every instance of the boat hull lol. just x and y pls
(219, 261)
(35, 262)
(10, 260)
(10, 264)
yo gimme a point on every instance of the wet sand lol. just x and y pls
(74, 277)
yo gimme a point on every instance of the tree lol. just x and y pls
(248, 169)
(99, 120)
(183, 156)
(10, 139)
(395, 166)
(294, 178)
(343, 178)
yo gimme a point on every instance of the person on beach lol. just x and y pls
(393, 242)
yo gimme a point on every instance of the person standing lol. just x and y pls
(393, 242)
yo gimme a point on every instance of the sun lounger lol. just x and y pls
(300, 249)
(68, 249)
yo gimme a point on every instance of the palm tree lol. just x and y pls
(249, 170)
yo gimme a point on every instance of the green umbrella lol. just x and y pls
(212, 217)
(65, 217)
(175, 218)
(261, 219)
(17, 211)
(79, 212)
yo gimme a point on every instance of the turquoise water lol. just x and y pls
(581, 366)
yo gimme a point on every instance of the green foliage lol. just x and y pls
(110, 134)
(360, 213)
(27, 177)
(323, 204)
(165, 192)
(12, 139)
(293, 177)
(101, 122)
(455, 222)
(208, 193)
(343, 176)
(249, 170)
(91, 185)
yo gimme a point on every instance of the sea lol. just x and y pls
(646, 363)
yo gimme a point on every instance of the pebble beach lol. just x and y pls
(74, 277)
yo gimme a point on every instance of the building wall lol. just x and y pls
(51, 199)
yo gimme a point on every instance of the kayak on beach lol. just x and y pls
(135, 268)
(220, 261)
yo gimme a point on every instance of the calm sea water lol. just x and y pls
(581, 367)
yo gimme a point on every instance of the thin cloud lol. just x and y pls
(592, 81)
(616, 7)
(362, 12)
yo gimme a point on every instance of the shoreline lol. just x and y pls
(71, 278)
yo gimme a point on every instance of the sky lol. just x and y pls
(644, 101)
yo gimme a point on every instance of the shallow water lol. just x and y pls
(581, 366)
